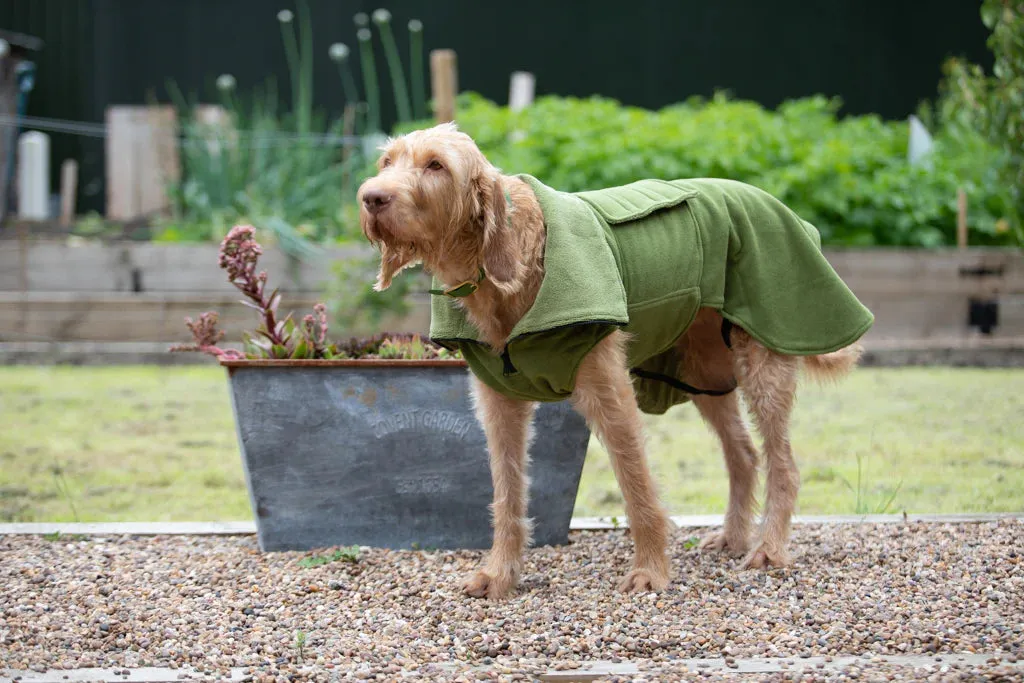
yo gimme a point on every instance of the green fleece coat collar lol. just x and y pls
(581, 278)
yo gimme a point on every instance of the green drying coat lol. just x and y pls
(644, 257)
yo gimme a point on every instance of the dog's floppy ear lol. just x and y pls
(500, 260)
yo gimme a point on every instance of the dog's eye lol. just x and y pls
(435, 165)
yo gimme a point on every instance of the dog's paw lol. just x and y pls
(735, 544)
(762, 556)
(485, 585)
(642, 579)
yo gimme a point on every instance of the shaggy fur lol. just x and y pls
(437, 200)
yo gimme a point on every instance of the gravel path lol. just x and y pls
(216, 603)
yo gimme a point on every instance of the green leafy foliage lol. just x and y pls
(391, 346)
(293, 173)
(58, 536)
(849, 176)
(355, 304)
(349, 554)
(993, 104)
(256, 167)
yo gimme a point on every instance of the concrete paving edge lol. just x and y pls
(589, 671)
(578, 524)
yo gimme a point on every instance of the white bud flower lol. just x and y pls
(361, 19)
(285, 16)
(415, 25)
(381, 16)
(338, 52)
(225, 82)
(363, 35)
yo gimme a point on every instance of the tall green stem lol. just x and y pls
(304, 111)
(348, 83)
(419, 90)
(339, 55)
(383, 20)
(291, 52)
(362, 114)
(370, 80)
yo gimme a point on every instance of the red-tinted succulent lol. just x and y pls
(273, 338)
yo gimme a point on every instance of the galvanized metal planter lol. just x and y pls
(386, 453)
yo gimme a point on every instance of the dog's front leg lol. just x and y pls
(604, 396)
(506, 423)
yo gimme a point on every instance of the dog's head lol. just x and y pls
(437, 200)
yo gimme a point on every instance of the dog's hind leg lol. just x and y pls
(768, 380)
(506, 424)
(722, 413)
(604, 396)
(707, 361)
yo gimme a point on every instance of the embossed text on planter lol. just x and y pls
(436, 420)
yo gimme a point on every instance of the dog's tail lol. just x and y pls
(832, 367)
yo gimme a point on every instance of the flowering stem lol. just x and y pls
(238, 255)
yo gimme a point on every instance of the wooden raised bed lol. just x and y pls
(53, 291)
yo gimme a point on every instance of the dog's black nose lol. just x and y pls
(375, 200)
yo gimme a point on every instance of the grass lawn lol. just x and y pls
(158, 443)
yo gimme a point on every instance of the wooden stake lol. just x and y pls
(520, 90)
(33, 176)
(961, 218)
(444, 82)
(520, 96)
(348, 129)
(68, 189)
(143, 158)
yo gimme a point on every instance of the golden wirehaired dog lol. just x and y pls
(436, 200)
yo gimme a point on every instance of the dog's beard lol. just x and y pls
(393, 260)
(374, 230)
(395, 254)
(401, 247)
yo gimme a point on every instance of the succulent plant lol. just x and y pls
(273, 338)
